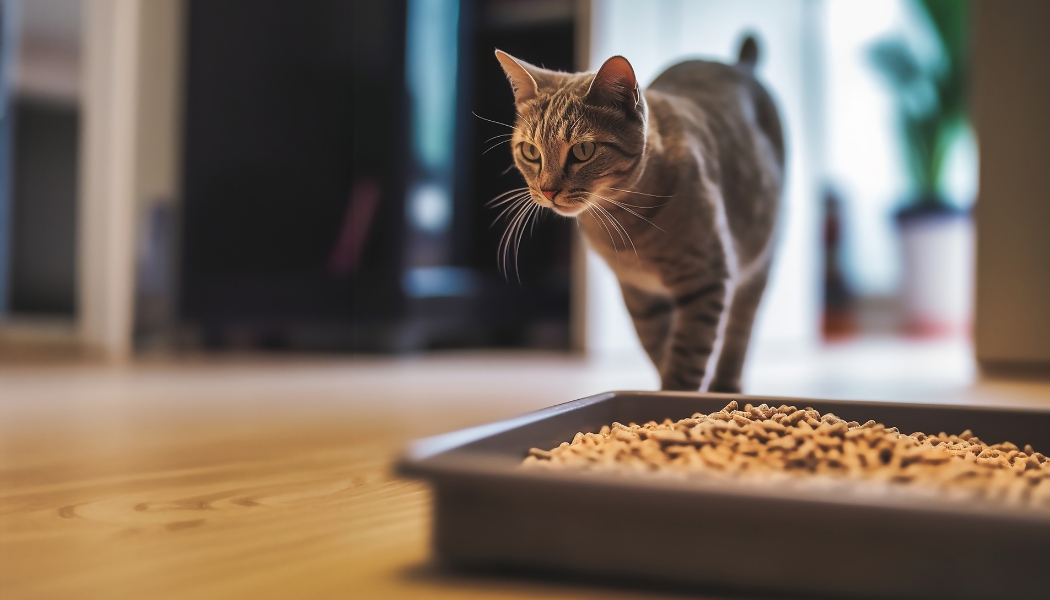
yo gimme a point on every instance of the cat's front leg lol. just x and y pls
(698, 315)
(737, 333)
(652, 315)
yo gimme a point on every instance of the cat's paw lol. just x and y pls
(672, 383)
(725, 387)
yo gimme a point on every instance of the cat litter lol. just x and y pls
(762, 443)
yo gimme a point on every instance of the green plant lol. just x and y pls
(930, 91)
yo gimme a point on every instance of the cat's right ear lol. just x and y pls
(615, 84)
(520, 75)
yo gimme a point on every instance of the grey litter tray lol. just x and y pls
(489, 513)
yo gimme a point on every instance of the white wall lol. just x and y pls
(656, 34)
(129, 153)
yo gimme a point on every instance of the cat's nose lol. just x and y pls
(550, 194)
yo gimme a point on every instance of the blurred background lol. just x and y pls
(267, 176)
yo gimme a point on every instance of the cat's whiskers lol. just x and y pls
(512, 235)
(619, 229)
(639, 193)
(503, 251)
(637, 206)
(517, 204)
(612, 224)
(625, 232)
(512, 205)
(498, 136)
(539, 215)
(597, 217)
(496, 122)
(514, 191)
(628, 209)
(503, 248)
(530, 212)
(496, 145)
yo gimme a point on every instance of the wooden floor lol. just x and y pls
(270, 477)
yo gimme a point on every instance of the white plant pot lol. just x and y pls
(937, 282)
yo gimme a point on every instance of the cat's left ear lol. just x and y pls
(614, 84)
(521, 75)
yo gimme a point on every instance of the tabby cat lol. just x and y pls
(676, 188)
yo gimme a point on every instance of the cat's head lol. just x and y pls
(576, 134)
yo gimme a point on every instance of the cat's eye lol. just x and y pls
(530, 151)
(583, 151)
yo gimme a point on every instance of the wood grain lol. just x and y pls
(270, 478)
(243, 481)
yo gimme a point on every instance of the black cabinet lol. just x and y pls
(306, 194)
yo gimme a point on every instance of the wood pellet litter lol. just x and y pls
(762, 442)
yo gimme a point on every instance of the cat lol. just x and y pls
(676, 188)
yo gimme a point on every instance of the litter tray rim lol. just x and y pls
(440, 459)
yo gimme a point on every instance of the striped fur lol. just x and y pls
(680, 197)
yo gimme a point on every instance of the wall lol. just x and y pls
(129, 154)
(1011, 93)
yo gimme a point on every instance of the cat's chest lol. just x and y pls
(630, 268)
(639, 277)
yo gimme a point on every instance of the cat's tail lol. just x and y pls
(748, 54)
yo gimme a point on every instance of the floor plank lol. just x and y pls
(270, 477)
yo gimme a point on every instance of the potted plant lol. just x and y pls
(927, 74)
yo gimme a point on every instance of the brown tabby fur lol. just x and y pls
(680, 197)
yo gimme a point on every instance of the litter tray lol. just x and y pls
(717, 534)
